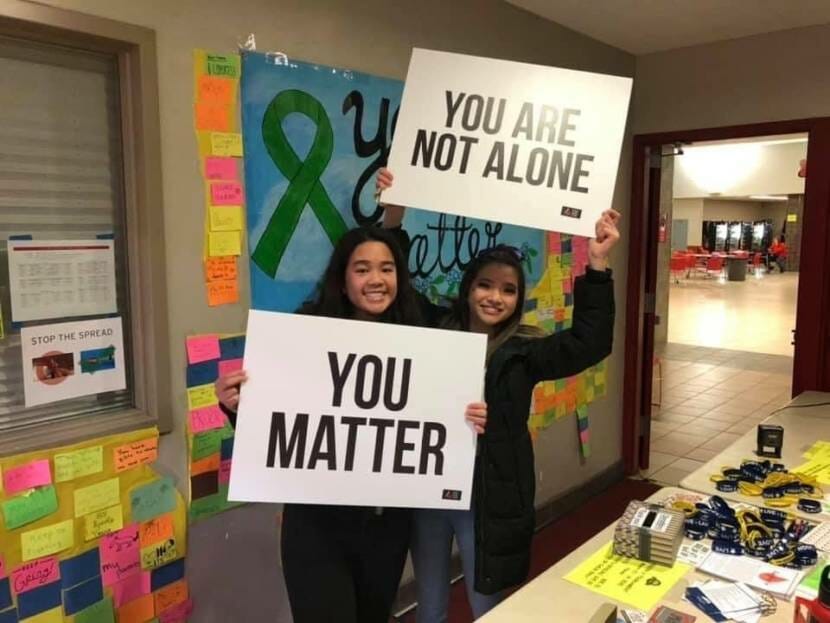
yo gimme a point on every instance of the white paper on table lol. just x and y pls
(693, 553)
(779, 581)
(819, 536)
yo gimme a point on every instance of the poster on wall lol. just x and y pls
(72, 359)
(61, 278)
(355, 413)
(524, 144)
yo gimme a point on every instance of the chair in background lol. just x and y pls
(755, 265)
(678, 266)
(714, 266)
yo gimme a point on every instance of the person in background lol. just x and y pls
(777, 254)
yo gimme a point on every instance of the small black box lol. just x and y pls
(770, 440)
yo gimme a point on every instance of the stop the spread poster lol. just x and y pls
(355, 413)
(518, 143)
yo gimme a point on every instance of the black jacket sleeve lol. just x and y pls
(231, 414)
(589, 339)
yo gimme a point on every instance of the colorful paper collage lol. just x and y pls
(216, 122)
(209, 434)
(103, 540)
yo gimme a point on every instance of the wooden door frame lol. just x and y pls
(811, 370)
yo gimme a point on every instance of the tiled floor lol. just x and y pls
(710, 397)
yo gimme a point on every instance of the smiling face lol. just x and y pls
(371, 279)
(494, 294)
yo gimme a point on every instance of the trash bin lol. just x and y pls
(736, 269)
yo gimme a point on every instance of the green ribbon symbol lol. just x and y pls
(304, 178)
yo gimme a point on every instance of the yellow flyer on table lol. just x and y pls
(633, 582)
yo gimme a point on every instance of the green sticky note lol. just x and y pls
(209, 442)
(153, 499)
(226, 65)
(813, 580)
(99, 612)
(30, 507)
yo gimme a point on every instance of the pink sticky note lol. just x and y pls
(229, 365)
(225, 472)
(226, 194)
(177, 613)
(202, 348)
(120, 555)
(34, 474)
(567, 286)
(129, 588)
(35, 574)
(3, 571)
(206, 418)
(218, 168)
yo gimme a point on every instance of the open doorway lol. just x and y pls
(727, 279)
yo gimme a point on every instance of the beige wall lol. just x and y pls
(692, 211)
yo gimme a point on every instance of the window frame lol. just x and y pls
(135, 50)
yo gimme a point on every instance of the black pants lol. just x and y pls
(343, 564)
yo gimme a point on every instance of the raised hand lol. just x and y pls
(227, 388)
(607, 236)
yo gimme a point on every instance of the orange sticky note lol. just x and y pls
(207, 464)
(171, 595)
(138, 610)
(158, 529)
(219, 268)
(134, 454)
(223, 292)
(210, 116)
(216, 90)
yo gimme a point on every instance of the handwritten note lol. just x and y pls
(155, 530)
(202, 348)
(209, 442)
(35, 574)
(218, 168)
(212, 117)
(34, 474)
(29, 507)
(229, 365)
(225, 65)
(226, 144)
(207, 464)
(206, 418)
(178, 613)
(138, 610)
(171, 595)
(216, 89)
(153, 499)
(47, 540)
(100, 612)
(128, 589)
(83, 462)
(225, 218)
(223, 292)
(226, 194)
(134, 454)
(225, 472)
(224, 243)
(102, 522)
(120, 555)
(220, 268)
(97, 497)
(159, 554)
(201, 396)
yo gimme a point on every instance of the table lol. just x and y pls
(550, 597)
(803, 426)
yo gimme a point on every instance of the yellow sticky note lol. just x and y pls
(225, 218)
(159, 554)
(55, 615)
(224, 243)
(47, 540)
(97, 497)
(226, 144)
(201, 396)
(83, 462)
(101, 522)
(628, 580)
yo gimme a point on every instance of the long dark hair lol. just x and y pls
(331, 300)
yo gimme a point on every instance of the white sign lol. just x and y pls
(510, 142)
(72, 359)
(61, 278)
(356, 413)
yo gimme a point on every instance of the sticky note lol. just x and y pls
(229, 365)
(158, 554)
(80, 568)
(224, 243)
(30, 506)
(220, 268)
(201, 396)
(207, 464)
(47, 540)
(9, 616)
(171, 595)
(225, 218)
(3, 572)
(219, 168)
(101, 612)
(204, 484)
(216, 89)
(226, 450)
(82, 596)
(212, 116)
(206, 418)
(22, 477)
(83, 462)
(134, 454)
(224, 472)
(224, 65)
(177, 613)
(232, 347)
(202, 348)
(39, 600)
(54, 615)
(128, 589)
(223, 292)
(138, 610)
(5, 593)
(203, 373)
(226, 144)
(102, 522)
(155, 530)
(153, 499)
(163, 576)
(35, 574)
(120, 555)
(209, 442)
(97, 497)
(226, 194)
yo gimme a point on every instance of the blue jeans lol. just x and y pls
(431, 548)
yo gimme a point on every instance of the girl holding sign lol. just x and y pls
(343, 564)
(494, 537)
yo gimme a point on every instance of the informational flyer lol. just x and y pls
(61, 278)
(72, 359)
